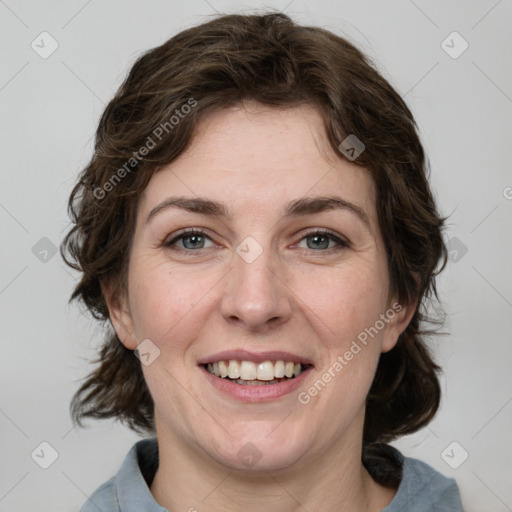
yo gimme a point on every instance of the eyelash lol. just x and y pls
(342, 244)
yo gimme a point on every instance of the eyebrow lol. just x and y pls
(299, 207)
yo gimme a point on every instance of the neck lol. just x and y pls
(335, 481)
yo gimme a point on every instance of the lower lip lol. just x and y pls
(256, 393)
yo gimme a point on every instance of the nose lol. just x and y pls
(256, 297)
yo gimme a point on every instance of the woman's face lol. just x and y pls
(289, 266)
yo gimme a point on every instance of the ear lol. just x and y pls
(398, 317)
(120, 315)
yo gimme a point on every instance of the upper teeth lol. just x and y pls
(247, 370)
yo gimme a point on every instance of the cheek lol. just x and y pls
(162, 296)
(344, 301)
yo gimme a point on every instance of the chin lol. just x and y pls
(261, 453)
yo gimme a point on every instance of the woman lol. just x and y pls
(257, 227)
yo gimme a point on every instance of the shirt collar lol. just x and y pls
(132, 491)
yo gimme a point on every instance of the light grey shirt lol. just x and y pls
(422, 489)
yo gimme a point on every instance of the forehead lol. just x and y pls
(255, 158)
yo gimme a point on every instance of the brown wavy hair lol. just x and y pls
(270, 59)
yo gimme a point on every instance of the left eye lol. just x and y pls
(322, 240)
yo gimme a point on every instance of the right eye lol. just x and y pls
(193, 239)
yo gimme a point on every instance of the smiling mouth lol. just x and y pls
(248, 373)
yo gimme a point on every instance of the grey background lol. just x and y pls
(50, 108)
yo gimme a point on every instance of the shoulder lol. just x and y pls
(423, 489)
(104, 499)
(128, 490)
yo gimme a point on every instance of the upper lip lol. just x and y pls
(256, 357)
